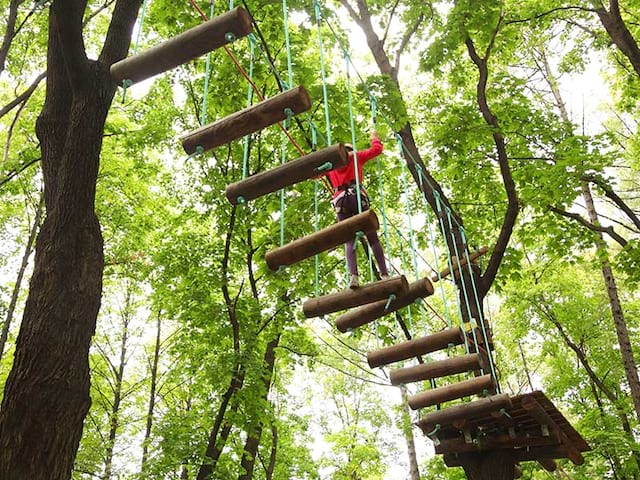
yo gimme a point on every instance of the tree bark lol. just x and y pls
(46, 395)
(493, 465)
(414, 471)
(619, 33)
(28, 248)
(622, 332)
(254, 433)
(152, 395)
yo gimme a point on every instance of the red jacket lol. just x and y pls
(346, 175)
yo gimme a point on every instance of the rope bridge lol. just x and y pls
(528, 426)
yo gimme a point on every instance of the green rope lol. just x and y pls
(433, 247)
(325, 96)
(316, 258)
(353, 133)
(443, 230)
(477, 302)
(245, 152)
(405, 186)
(285, 14)
(205, 93)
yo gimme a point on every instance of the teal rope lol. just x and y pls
(412, 241)
(285, 14)
(245, 153)
(449, 261)
(477, 302)
(353, 133)
(205, 93)
(325, 96)
(316, 258)
(464, 286)
(433, 247)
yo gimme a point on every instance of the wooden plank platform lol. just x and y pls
(348, 298)
(249, 120)
(361, 316)
(184, 47)
(290, 173)
(515, 429)
(322, 240)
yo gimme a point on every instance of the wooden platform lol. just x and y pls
(514, 428)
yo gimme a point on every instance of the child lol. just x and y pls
(345, 204)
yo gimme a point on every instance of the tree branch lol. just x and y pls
(513, 205)
(116, 44)
(610, 194)
(406, 38)
(596, 228)
(24, 96)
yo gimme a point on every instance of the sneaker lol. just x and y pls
(354, 283)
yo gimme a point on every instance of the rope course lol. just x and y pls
(451, 427)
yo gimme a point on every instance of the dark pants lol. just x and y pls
(346, 207)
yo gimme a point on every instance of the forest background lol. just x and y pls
(202, 363)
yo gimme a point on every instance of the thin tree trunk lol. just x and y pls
(152, 394)
(407, 431)
(220, 430)
(23, 267)
(622, 332)
(253, 438)
(46, 395)
(619, 321)
(271, 467)
(114, 421)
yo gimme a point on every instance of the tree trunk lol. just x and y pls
(114, 421)
(23, 267)
(619, 33)
(619, 321)
(253, 439)
(414, 471)
(271, 467)
(46, 395)
(152, 395)
(493, 465)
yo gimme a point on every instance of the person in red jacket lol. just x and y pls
(345, 204)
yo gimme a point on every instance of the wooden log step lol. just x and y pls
(415, 347)
(186, 46)
(246, 121)
(454, 261)
(535, 410)
(440, 368)
(356, 318)
(322, 240)
(465, 411)
(290, 173)
(454, 391)
(371, 292)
